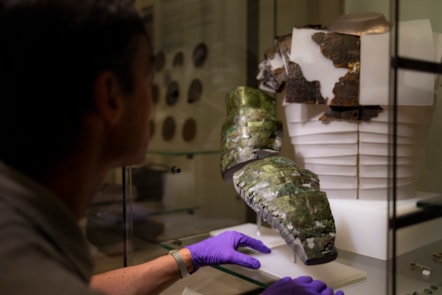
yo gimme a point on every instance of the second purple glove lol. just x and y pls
(303, 285)
(221, 249)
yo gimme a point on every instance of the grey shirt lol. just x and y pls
(42, 249)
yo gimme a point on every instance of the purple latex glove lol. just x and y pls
(303, 285)
(221, 249)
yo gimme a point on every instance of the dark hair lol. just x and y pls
(50, 54)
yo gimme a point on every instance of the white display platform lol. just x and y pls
(362, 227)
(280, 263)
(270, 237)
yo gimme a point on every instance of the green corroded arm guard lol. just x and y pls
(251, 130)
(289, 199)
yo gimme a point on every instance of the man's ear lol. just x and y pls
(107, 97)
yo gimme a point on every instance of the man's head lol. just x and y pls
(53, 53)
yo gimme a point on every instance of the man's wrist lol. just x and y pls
(182, 266)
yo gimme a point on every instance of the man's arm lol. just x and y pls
(147, 278)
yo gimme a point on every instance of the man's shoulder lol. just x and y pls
(31, 263)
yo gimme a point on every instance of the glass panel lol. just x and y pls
(258, 278)
(416, 267)
(204, 49)
(201, 54)
(184, 195)
(374, 283)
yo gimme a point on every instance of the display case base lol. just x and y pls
(362, 227)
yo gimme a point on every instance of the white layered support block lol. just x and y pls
(329, 150)
(375, 154)
(353, 159)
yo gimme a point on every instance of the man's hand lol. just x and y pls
(303, 285)
(222, 249)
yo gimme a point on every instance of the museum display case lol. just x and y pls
(371, 136)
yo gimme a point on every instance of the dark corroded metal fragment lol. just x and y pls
(344, 52)
(345, 103)
(359, 113)
(346, 90)
(289, 199)
(276, 76)
(251, 130)
(341, 49)
(299, 89)
(272, 71)
(284, 44)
